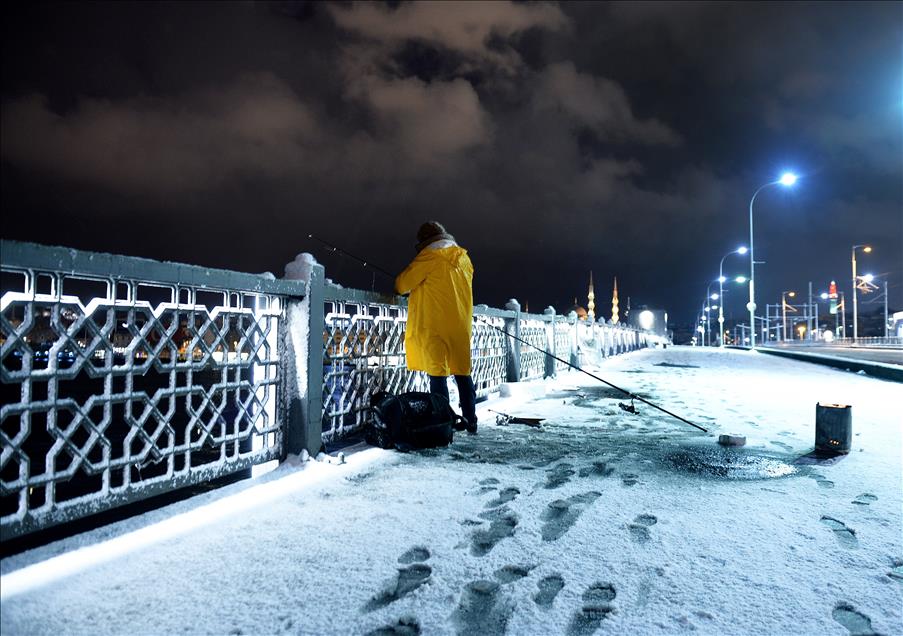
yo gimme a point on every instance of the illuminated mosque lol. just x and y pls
(589, 312)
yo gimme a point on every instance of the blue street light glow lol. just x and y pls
(714, 296)
(740, 279)
(742, 250)
(868, 278)
(722, 279)
(787, 179)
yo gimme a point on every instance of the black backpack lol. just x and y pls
(410, 420)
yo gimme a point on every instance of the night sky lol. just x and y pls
(550, 139)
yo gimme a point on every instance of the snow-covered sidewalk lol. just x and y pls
(601, 520)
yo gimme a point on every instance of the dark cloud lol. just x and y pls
(551, 139)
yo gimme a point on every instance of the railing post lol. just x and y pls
(549, 313)
(574, 357)
(512, 327)
(301, 365)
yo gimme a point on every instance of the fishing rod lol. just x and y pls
(340, 251)
(630, 394)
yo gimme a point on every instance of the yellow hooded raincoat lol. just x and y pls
(440, 311)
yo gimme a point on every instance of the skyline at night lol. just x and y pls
(550, 139)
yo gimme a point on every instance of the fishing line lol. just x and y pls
(482, 319)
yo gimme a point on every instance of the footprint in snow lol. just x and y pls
(407, 580)
(598, 469)
(639, 529)
(561, 514)
(417, 554)
(897, 572)
(506, 495)
(629, 479)
(596, 607)
(845, 536)
(405, 626)
(864, 499)
(548, 589)
(501, 526)
(512, 573)
(856, 622)
(482, 611)
(824, 483)
(559, 475)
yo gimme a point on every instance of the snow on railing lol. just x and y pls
(124, 378)
(363, 351)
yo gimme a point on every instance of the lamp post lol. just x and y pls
(784, 312)
(866, 249)
(721, 279)
(708, 308)
(786, 180)
(843, 314)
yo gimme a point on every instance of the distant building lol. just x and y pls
(648, 319)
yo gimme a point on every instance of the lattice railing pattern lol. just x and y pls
(488, 354)
(363, 353)
(533, 360)
(115, 390)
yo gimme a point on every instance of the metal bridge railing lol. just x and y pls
(124, 378)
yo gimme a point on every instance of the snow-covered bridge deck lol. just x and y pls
(600, 521)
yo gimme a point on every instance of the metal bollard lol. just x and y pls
(833, 428)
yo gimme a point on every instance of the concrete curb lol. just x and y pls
(881, 370)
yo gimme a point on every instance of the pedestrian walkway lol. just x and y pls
(598, 520)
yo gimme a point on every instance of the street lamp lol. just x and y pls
(707, 307)
(787, 180)
(866, 249)
(721, 279)
(784, 310)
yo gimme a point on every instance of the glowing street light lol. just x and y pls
(740, 279)
(866, 249)
(787, 180)
(868, 278)
(715, 296)
(721, 280)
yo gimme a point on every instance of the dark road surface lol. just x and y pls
(871, 354)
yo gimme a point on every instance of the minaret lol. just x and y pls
(590, 305)
(614, 304)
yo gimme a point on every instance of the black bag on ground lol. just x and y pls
(410, 420)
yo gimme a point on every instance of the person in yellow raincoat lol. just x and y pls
(440, 315)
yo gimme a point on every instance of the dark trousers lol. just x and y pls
(466, 391)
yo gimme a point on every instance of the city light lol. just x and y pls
(868, 278)
(714, 296)
(647, 319)
(788, 179)
(722, 279)
(742, 250)
(867, 249)
(740, 279)
(824, 295)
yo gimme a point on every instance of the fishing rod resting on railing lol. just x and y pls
(630, 394)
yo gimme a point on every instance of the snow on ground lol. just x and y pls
(599, 521)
